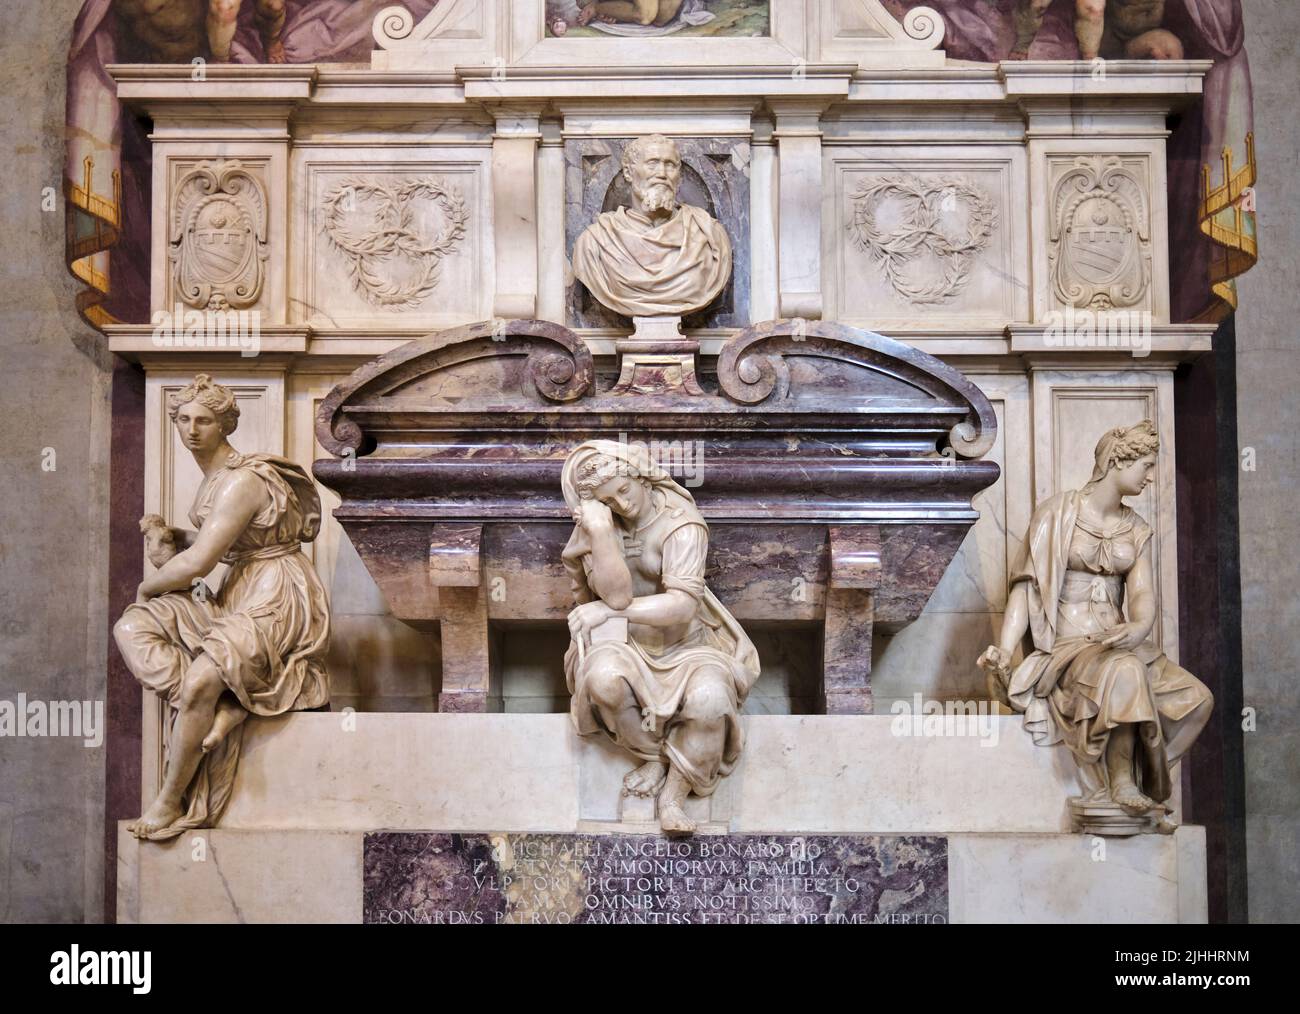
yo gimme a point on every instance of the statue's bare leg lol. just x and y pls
(200, 689)
(223, 19)
(268, 15)
(230, 713)
(1119, 763)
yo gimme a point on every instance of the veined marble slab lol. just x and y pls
(422, 878)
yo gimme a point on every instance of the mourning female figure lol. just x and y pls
(668, 690)
(255, 647)
(1093, 679)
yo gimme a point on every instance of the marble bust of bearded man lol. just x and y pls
(659, 257)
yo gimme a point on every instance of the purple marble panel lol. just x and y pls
(421, 878)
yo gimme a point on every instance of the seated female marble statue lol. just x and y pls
(669, 692)
(255, 647)
(1093, 679)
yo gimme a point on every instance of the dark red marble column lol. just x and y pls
(125, 567)
(1209, 612)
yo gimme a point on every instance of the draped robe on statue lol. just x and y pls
(661, 663)
(267, 629)
(640, 269)
(1072, 689)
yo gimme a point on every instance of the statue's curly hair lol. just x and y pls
(211, 395)
(1124, 445)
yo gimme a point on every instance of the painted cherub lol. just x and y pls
(223, 18)
(1109, 28)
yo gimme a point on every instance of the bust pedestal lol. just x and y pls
(657, 359)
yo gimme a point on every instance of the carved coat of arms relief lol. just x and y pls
(1100, 242)
(218, 239)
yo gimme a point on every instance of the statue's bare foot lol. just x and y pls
(229, 714)
(275, 52)
(162, 813)
(673, 819)
(646, 780)
(1132, 801)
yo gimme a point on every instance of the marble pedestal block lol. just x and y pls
(312, 787)
(828, 774)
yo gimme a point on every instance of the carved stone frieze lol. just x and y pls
(394, 235)
(218, 238)
(925, 232)
(1100, 244)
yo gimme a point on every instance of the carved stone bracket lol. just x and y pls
(455, 569)
(850, 615)
(755, 367)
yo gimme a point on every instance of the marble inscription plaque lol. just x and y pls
(429, 878)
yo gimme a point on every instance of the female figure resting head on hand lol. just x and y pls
(669, 692)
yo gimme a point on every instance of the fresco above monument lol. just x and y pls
(108, 161)
(642, 19)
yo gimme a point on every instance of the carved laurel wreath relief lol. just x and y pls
(394, 235)
(217, 245)
(925, 233)
(1100, 241)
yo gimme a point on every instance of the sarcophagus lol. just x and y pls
(835, 467)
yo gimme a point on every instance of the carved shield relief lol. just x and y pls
(217, 243)
(1100, 250)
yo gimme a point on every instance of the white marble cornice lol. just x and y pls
(666, 82)
(1100, 78)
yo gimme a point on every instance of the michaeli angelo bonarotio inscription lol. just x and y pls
(463, 879)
